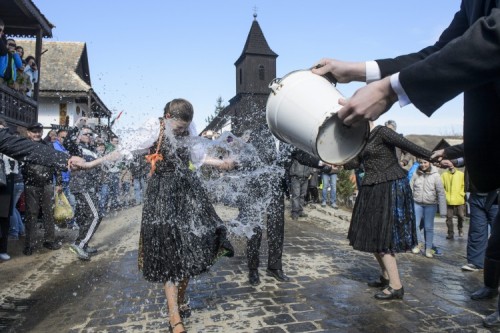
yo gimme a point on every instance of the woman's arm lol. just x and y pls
(224, 164)
(393, 138)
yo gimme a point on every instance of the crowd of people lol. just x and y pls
(16, 71)
(31, 189)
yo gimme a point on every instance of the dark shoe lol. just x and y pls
(295, 217)
(393, 294)
(90, 250)
(28, 250)
(51, 245)
(278, 274)
(450, 236)
(253, 277)
(493, 320)
(171, 328)
(302, 214)
(484, 293)
(184, 311)
(381, 283)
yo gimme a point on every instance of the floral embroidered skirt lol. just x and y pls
(383, 220)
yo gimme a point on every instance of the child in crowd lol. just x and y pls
(428, 192)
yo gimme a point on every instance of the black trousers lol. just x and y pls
(275, 233)
(39, 197)
(6, 195)
(86, 216)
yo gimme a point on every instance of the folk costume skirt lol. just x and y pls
(383, 220)
(181, 234)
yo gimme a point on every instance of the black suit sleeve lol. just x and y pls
(454, 152)
(26, 151)
(463, 64)
(457, 27)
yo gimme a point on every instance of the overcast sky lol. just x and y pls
(144, 53)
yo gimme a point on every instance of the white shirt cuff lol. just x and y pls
(398, 89)
(372, 72)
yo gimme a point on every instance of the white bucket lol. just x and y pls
(301, 110)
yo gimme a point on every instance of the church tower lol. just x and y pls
(255, 69)
(256, 66)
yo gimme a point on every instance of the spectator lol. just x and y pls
(454, 186)
(31, 69)
(9, 61)
(329, 180)
(66, 175)
(312, 187)
(83, 185)
(51, 137)
(125, 185)
(6, 198)
(299, 179)
(428, 193)
(138, 167)
(39, 193)
(110, 188)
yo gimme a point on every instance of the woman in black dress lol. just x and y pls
(181, 234)
(383, 220)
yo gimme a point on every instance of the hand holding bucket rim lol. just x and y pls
(367, 103)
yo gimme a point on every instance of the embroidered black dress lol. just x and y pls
(383, 220)
(181, 234)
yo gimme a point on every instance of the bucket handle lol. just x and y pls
(275, 85)
(329, 76)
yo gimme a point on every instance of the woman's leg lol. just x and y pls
(429, 214)
(181, 296)
(326, 181)
(171, 292)
(419, 214)
(383, 269)
(389, 261)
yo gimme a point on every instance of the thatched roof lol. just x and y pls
(64, 66)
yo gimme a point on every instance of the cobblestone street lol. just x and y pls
(55, 292)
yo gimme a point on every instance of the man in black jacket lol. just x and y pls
(275, 156)
(39, 194)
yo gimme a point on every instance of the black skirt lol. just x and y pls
(383, 220)
(181, 234)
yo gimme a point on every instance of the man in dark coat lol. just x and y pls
(464, 59)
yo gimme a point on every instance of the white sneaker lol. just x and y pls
(470, 268)
(4, 256)
(428, 253)
(80, 253)
(416, 250)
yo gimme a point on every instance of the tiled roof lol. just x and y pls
(64, 66)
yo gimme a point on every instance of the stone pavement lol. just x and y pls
(52, 291)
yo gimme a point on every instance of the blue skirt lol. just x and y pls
(383, 220)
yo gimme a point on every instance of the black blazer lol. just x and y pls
(24, 150)
(466, 58)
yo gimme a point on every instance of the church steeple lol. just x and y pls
(256, 66)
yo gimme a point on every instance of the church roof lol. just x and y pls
(256, 43)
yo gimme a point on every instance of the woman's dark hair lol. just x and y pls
(180, 109)
(28, 58)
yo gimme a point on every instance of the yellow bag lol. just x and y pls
(62, 209)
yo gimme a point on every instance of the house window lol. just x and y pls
(63, 111)
(241, 76)
(261, 72)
